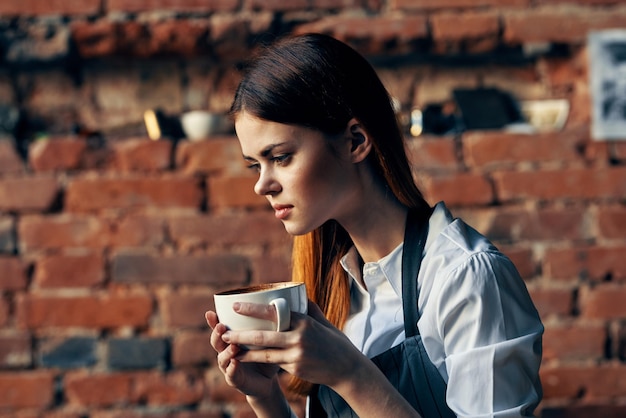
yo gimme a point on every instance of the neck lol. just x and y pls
(378, 227)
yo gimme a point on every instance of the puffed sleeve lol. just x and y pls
(491, 335)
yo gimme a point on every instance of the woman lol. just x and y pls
(456, 336)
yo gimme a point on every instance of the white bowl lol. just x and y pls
(199, 124)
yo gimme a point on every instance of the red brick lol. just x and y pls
(184, 309)
(604, 301)
(15, 351)
(229, 33)
(7, 235)
(98, 390)
(186, 38)
(584, 183)
(574, 342)
(104, 38)
(96, 39)
(257, 227)
(106, 311)
(84, 269)
(590, 263)
(552, 302)
(218, 155)
(588, 382)
(139, 267)
(28, 193)
(175, 388)
(137, 231)
(463, 26)
(235, 192)
(10, 161)
(612, 222)
(142, 154)
(435, 153)
(61, 231)
(26, 390)
(270, 268)
(134, 413)
(204, 6)
(334, 4)
(56, 154)
(584, 411)
(51, 7)
(541, 224)
(277, 5)
(492, 148)
(522, 258)
(618, 150)
(377, 30)
(30, 413)
(193, 348)
(453, 4)
(463, 189)
(568, 25)
(4, 312)
(12, 274)
(88, 194)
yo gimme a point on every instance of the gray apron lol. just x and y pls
(406, 365)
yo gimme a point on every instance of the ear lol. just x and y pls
(360, 141)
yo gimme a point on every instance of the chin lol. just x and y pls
(293, 229)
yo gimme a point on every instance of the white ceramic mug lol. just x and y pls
(285, 296)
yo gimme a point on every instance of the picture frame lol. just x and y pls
(607, 69)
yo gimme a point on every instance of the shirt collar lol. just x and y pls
(391, 264)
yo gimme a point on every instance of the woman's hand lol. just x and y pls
(252, 379)
(312, 349)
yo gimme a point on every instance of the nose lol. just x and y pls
(266, 184)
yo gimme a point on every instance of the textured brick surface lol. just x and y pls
(28, 193)
(137, 353)
(143, 268)
(68, 353)
(112, 245)
(16, 351)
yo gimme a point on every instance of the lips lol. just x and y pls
(282, 211)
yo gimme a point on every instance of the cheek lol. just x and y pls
(322, 179)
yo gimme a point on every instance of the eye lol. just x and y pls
(281, 159)
(254, 166)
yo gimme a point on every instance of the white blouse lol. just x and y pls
(477, 321)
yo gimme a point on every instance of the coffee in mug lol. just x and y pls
(285, 296)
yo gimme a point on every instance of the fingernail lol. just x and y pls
(226, 336)
(236, 306)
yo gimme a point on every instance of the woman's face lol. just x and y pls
(305, 175)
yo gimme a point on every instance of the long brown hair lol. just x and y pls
(319, 82)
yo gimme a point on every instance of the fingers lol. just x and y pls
(226, 358)
(217, 341)
(266, 356)
(211, 318)
(257, 338)
(256, 310)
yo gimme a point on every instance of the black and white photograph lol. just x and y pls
(607, 57)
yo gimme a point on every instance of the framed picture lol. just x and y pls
(607, 59)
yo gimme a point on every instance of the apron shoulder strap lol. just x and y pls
(415, 234)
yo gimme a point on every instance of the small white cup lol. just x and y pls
(285, 296)
(199, 124)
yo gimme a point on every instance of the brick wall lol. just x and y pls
(112, 245)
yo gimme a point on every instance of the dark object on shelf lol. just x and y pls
(486, 108)
(440, 119)
(159, 125)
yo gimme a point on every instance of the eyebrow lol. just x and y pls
(265, 151)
